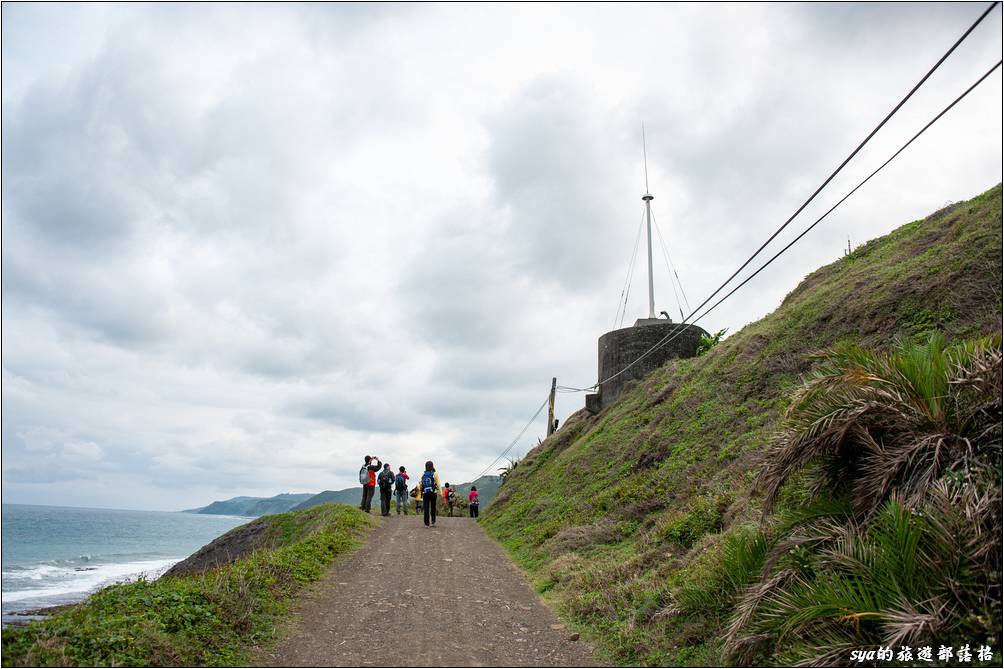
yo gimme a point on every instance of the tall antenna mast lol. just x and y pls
(648, 197)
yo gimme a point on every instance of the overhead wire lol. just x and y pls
(672, 285)
(626, 290)
(630, 283)
(848, 158)
(673, 335)
(853, 190)
(678, 332)
(671, 268)
(670, 337)
(514, 441)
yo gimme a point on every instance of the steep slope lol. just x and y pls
(267, 532)
(661, 477)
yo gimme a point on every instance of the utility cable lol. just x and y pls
(515, 440)
(848, 158)
(852, 191)
(671, 268)
(627, 280)
(631, 274)
(673, 335)
(665, 256)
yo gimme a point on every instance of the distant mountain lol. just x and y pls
(348, 496)
(488, 486)
(253, 506)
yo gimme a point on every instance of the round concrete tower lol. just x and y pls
(620, 348)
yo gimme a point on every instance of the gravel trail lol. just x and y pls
(415, 596)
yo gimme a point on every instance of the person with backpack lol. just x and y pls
(367, 477)
(449, 497)
(430, 492)
(472, 501)
(401, 490)
(386, 481)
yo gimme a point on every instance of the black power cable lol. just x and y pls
(671, 336)
(847, 159)
(514, 441)
(866, 179)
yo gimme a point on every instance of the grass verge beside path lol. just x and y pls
(208, 619)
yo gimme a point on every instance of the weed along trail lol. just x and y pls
(414, 596)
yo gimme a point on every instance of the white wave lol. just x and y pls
(36, 573)
(70, 583)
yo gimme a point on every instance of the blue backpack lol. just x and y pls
(428, 482)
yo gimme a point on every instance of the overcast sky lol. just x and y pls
(245, 245)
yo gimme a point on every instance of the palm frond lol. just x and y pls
(901, 456)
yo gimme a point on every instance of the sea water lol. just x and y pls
(58, 555)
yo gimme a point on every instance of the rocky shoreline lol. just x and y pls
(22, 618)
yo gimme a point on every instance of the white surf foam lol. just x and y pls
(48, 583)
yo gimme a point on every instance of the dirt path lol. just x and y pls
(462, 604)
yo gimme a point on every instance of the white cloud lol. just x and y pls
(81, 451)
(245, 245)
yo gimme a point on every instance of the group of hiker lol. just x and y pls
(375, 474)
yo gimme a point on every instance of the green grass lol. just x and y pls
(625, 520)
(212, 619)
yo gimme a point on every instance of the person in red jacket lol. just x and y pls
(369, 471)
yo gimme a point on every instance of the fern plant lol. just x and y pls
(908, 577)
(899, 421)
(902, 545)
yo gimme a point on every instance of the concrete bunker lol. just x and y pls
(620, 348)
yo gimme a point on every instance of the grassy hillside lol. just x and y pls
(615, 515)
(211, 616)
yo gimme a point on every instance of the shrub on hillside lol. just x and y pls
(899, 421)
(905, 447)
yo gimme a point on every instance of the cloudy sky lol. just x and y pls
(243, 246)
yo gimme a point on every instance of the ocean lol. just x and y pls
(58, 555)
